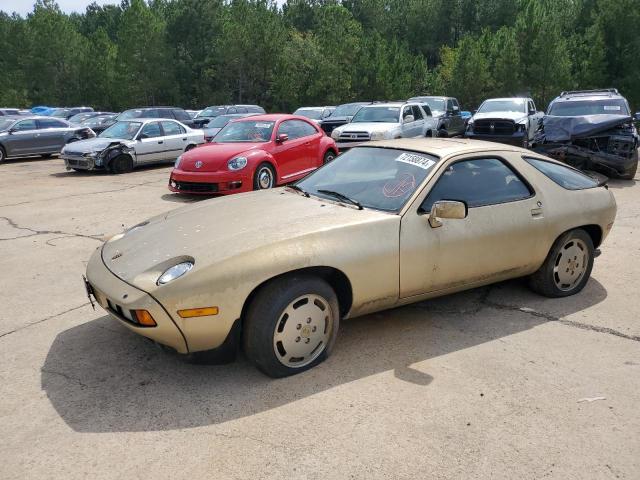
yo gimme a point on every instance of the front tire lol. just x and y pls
(264, 177)
(291, 325)
(567, 268)
(121, 164)
(3, 154)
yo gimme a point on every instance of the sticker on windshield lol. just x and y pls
(263, 125)
(612, 107)
(416, 160)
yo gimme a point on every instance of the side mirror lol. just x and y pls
(12, 131)
(450, 209)
(409, 119)
(282, 137)
(142, 136)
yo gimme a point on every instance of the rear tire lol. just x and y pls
(264, 177)
(121, 164)
(567, 268)
(291, 325)
(328, 157)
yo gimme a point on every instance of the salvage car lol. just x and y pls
(132, 143)
(35, 135)
(512, 120)
(386, 224)
(99, 123)
(212, 128)
(254, 153)
(591, 130)
(383, 121)
(447, 111)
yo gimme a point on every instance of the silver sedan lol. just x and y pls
(131, 143)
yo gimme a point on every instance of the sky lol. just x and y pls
(26, 6)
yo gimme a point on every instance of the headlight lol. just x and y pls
(177, 164)
(335, 134)
(174, 272)
(377, 136)
(237, 163)
(521, 127)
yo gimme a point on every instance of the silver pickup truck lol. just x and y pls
(508, 120)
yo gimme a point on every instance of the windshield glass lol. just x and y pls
(125, 130)
(248, 131)
(378, 178)
(98, 120)
(5, 123)
(212, 112)
(610, 106)
(220, 121)
(434, 103)
(59, 113)
(346, 110)
(377, 114)
(79, 117)
(128, 114)
(509, 105)
(309, 113)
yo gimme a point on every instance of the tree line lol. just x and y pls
(194, 53)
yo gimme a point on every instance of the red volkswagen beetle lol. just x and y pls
(253, 153)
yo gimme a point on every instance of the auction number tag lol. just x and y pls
(417, 160)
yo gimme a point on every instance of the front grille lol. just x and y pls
(122, 312)
(77, 162)
(354, 137)
(328, 127)
(494, 127)
(195, 187)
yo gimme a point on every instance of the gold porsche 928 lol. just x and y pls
(385, 224)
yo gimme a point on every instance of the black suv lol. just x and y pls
(150, 112)
(591, 130)
(447, 111)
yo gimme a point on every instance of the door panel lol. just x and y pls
(494, 242)
(26, 140)
(152, 148)
(292, 156)
(175, 139)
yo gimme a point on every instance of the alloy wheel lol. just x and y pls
(571, 264)
(265, 178)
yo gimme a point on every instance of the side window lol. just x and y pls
(417, 113)
(151, 113)
(427, 110)
(232, 110)
(180, 115)
(172, 128)
(164, 113)
(455, 103)
(564, 176)
(242, 110)
(25, 125)
(449, 106)
(51, 123)
(303, 128)
(151, 130)
(478, 183)
(406, 111)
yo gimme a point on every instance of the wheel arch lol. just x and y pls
(338, 281)
(594, 231)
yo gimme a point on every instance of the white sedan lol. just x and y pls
(131, 143)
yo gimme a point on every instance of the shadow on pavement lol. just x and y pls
(183, 198)
(102, 378)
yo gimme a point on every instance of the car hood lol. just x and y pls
(214, 156)
(515, 116)
(369, 127)
(336, 120)
(220, 229)
(96, 144)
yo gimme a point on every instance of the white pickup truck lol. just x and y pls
(508, 120)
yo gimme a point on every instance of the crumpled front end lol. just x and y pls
(604, 143)
(77, 159)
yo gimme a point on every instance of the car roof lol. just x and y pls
(147, 120)
(314, 108)
(443, 147)
(506, 98)
(580, 96)
(274, 117)
(387, 104)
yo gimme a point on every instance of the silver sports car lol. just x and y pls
(131, 143)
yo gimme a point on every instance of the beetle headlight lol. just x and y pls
(174, 272)
(237, 163)
(177, 164)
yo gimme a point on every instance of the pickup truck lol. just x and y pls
(446, 110)
(511, 120)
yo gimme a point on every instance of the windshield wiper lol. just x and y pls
(342, 196)
(299, 189)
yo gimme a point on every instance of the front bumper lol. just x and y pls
(119, 298)
(211, 183)
(515, 139)
(79, 163)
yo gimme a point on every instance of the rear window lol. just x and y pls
(564, 176)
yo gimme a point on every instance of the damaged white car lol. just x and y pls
(132, 143)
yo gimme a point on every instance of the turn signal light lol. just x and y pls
(198, 312)
(144, 318)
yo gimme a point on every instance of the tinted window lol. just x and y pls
(449, 106)
(51, 123)
(477, 183)
(151, 130)
(417, 114)
(427, 109)
(25, 125)
(564, 176)
(181, 115)
(172, 128)
(242, 110)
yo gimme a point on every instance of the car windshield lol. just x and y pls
(80, 117)
(129, 114)
(5, 123)
(125, 130)
(377, 114)
(59, 113)
(347, 110)
(379, 178)
(508, 105)
(311, 113)
(246, 131)
(220, 121)
(97, 120)
(212, 112)
(436, 104)
(611, 106)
